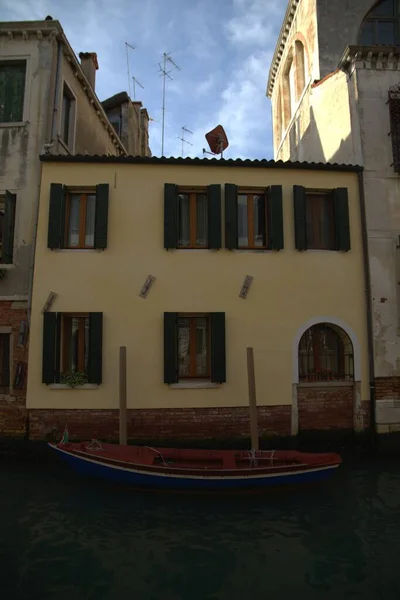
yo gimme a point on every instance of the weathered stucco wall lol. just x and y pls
(20, 146)
(289, 288)
(90, 135)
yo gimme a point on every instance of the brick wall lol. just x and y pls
(182, 423)
(387, 388)
(323, 407)
(13, 415)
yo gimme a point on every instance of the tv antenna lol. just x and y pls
(167, 62)
(217, 141)
(127, 64)
(135, 81)
(182, 138)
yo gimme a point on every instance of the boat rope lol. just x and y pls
(94, 445)
(159, 454)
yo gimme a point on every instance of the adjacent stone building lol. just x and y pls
(48, 104)
(334, 83)
(131, 122)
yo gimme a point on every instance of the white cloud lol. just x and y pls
(253, 22)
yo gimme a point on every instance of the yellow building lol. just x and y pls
(260, 254)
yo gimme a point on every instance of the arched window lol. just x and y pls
(325, 354)
(381, 25)
(278, 117)
(300, 69)
(288, 91)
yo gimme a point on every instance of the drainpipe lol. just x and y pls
(367, 280)
(53, 134)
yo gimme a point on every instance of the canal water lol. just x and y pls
(63, 537)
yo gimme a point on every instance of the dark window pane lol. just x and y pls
(201, 346)
(74, 218)
(184, 220)
(65, 118)
(4, 362)
(259, 218)
(367, 34)
(243, 235)
(184, 347)
(383, 9)
(386, 33)
(12, 90)
(319, 219)
(201, 220)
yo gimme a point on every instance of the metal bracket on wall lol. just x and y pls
(49, 302)
(146, 286)
(248, 280)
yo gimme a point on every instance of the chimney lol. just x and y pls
(89, 66)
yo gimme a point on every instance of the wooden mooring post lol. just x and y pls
(123, 438)
(252, 399)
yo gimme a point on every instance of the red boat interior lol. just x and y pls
(200, 459)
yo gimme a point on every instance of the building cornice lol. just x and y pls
(54, 31)
(370, 57)
(281, 44)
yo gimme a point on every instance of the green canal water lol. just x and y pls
(63, 537)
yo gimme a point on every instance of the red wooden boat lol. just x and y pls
(170, 468)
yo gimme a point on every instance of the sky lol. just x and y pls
(223, 48)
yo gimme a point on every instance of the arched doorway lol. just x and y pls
(325, 390)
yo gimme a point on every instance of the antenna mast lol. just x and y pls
(127, 65)
(167, 60)
(135, 81)
(182, 138)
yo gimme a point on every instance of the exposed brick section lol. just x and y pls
(387, 388)
(13, 415)
(325, 407)
(174, 423)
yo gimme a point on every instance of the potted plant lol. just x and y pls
(73, 378)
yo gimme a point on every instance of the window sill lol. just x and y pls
(195, 384)
(316, 384)
(253, 250)
(75, 250)
(7, 266)
(63, 386)
(14, 124)
(194, 249)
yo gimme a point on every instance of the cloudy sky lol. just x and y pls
(223, 48)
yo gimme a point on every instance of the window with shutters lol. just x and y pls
(7, 225)
(193, 346)
(80, 219)
(75, 343)
(72, 343)
(325, 354)
(12, 91)
(321, 219)
(320, 224)
(4, 363)
(192, 218)
(252, 219)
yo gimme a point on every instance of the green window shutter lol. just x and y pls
(51, 347)
(214, 217)
(170, 347)
(55, 235)
(300, 220)
(170, 216)
(218, 351)
(101, 217)
(275, 211)
(342, 222)
(95, 362)
(8, 227)
(231, 216)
